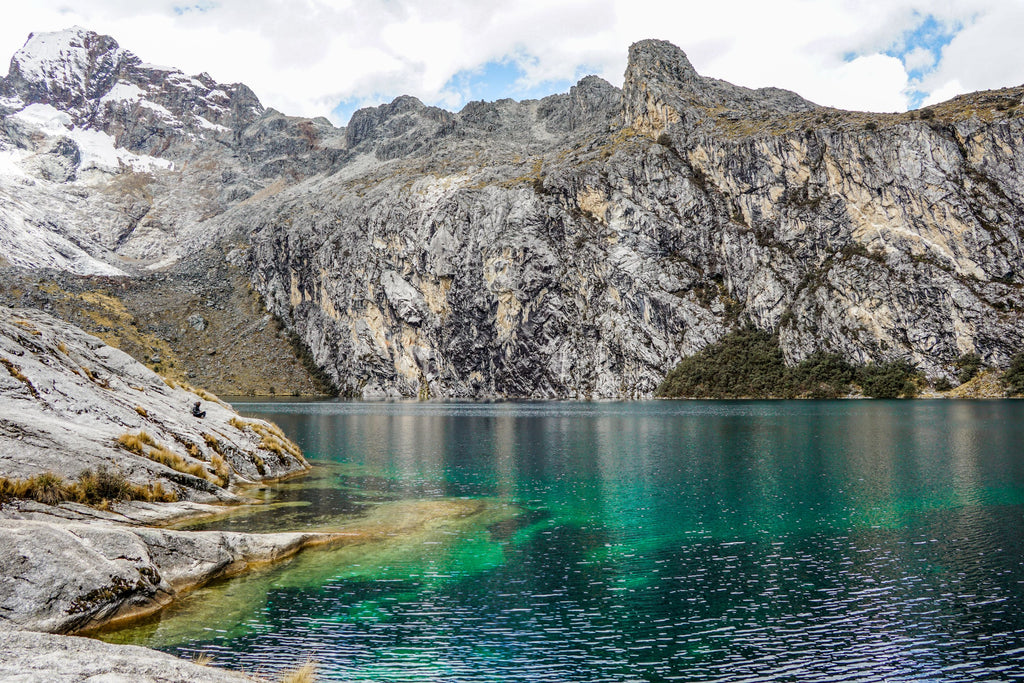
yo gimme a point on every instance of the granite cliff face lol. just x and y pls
(575, 246)
(508, 263)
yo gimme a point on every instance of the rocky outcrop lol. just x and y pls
(69, 403)
(65, 577)
(572, 247)
(70, 408)
(44, 658)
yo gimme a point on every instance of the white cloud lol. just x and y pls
(944, 92)
(919, 59)
(985, 54)
(304, 58)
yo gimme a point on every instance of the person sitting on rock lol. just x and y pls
(197, 411)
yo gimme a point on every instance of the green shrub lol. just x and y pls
(969, 364)
(822, 375)
(894, 379)
(749, 363)
(744, 363)
(1013, 378)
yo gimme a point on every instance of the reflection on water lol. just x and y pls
(648, 541)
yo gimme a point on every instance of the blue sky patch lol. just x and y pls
(920, 50)
(343, 112)
(497, 80)
(200, 7)
(490, 82)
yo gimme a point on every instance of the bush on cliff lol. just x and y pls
(968, 365)
(744, 363)
(1013, 378)
(749, 363)
(894, 379)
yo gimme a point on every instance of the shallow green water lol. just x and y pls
(697, 541)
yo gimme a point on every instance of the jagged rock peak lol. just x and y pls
(397, 128)
(661, 60)
(662, 88)
(145, 108)
(68, 66)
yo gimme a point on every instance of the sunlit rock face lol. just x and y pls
(570, 247)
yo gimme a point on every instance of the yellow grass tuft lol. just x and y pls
(201, 393)
(29, 327)
(144, 445)
(136, 443)
(141, 411)
(304, 674)
(96, 488)
(165, 456)
(221, 469)
(17, 374)
(158, 493)
(202, 659)
(213, 443)
(271, 438)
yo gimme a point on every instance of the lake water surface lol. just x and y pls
(649, 541)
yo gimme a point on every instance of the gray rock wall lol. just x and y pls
(576, 246)
(587, 266)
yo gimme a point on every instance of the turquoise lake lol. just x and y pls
(645, 541)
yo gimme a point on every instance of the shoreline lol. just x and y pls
(171, 563)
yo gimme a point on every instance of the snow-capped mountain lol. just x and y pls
(88, 131)
(100, 86)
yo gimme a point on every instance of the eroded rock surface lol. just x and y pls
(43, 658)
(68, 576)
(70, 403)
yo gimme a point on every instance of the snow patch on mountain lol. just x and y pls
(11, 103)
(209, 125)
(97, 148)
(71, 66)
(45, 118)
(60, 55)
(123, 92)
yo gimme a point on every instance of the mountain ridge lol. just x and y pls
(579, 245)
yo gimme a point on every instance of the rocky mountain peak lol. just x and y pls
(65, 68)
(663, 88)
(398, 128)
(103, 87)
(659, 60)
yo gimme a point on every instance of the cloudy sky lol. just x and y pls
(328, 57)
